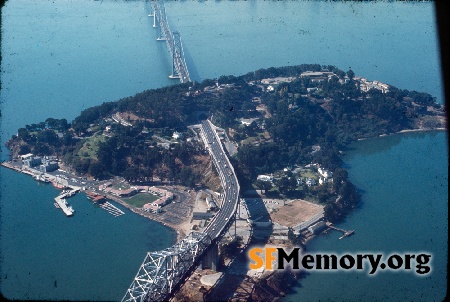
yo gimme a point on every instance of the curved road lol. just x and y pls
(163, 272)
(228, 178)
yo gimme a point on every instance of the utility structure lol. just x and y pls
(173, 41)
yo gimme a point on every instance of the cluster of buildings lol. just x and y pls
(318, 76)
(118, 119)
(274, 82)
(325, 176)
(216, 88)
(321, 76)
(165, 196)
(43, 164)
(365, 85)
(310, 181)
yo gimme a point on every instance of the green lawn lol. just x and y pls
(309, 174)
(140, 199)
(122, 186)
(90, 146)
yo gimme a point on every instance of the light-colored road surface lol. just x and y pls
(228, 178)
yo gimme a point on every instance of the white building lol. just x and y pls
(310, 182)
(48, 166)
(26, 156)
(315, 74)
(265, 178)
(248, 121)
(177, 135)
(325, 173)
(211, 204)
(32, 162)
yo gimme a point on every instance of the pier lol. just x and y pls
(69, 193)
(346, 233)
(62, 204)
(60, 200)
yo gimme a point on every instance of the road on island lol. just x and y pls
(228, 179)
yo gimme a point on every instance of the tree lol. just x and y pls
(131, 174)
(350, 74)
(47, 136)
(24, 149)
(284, 184)
(263, 185)
(22, 133)
(95, 169)
(292, 183)
(80, 128)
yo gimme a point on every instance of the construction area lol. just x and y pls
(295, 212)
(259, 222)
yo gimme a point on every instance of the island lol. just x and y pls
(284, 129)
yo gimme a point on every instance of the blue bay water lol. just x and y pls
(90, 256)
(60, 57)
(404, 179)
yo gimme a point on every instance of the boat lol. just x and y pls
(59, 185)
(41, 178)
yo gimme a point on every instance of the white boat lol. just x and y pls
(41, 178)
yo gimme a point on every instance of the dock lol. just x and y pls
(69, 193)
(345, 232)
(62, 203)
(111, 209)
(60, 200)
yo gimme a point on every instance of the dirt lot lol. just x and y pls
(295, 212)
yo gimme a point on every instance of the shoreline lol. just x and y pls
(176, 229)
(404, 131)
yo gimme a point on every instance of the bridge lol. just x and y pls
(163, 272)
(173, 41)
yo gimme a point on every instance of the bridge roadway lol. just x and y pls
(228, 179)
(173, 41)
(163, 272)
